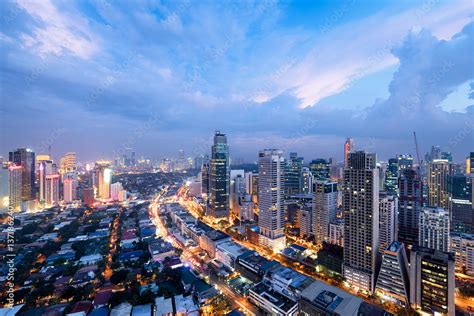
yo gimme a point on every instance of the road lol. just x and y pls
(188, 255)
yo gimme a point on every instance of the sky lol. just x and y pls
(103, 78)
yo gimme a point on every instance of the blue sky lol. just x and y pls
(101, 77)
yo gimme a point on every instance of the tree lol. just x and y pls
(119, 276)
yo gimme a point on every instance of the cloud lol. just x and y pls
(195, 67)
(56, 33)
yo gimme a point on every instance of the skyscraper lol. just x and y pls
(45, 167)
(324, 208)
(4, 188)
(292, 174)
(410, 202)
(432, 281)
(306, 181)
(69, 188)
(460, 203)
(348, 147)
(103, 175)
(26, 159)
(361, 221)
(205, 180)
(320, 168)
(434, 228)
(388, 208)
(391, 176)
(52, 190)
(270, 198)
(437, 180)
(68, 163)
(15, 186)
(393, 283)
(219, 177)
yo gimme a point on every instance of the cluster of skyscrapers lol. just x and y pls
(29, 182)
(404, 228)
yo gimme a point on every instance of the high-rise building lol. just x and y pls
(15, 186)
(292, 174)
(360, 205)
(324, 208)
(391, 176)
(437, 180)
(336, 232)
(205, 178)
(52, 190)
(348, 147)
(460, 203)
(103, 174)
(45, 167)
(471, 162)
(432, 281)
(320, 169)
(393, 283)
(404, 162)
(270, 199)
(68, 163)
(463, 247)
(4, 188)
(115, 189)
(88, 196)
(25, 158)
(69, 188)
(219, 177)
(133, 160)
(434, 154)
(306, 220)
(306, 181)
(237, 188)
(434, 228)
(410, 187)
(388, 221)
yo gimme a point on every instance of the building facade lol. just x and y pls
(361, 221)
(219, 185)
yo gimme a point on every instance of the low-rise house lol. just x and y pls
(161, 249)
(163, 306)
(89, 260)
(130, 256)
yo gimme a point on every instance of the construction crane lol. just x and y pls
(417, 151)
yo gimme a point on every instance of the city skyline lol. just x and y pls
(146, 91)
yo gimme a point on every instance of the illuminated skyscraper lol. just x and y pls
(393, 282)
(219, 177)
(45, 168)
(52, 190)
(4, 188)
(324, 208)
(205, 178)
(306, 181)
(437, 179)
(432, 281)
(15, 186)
(388, 209)
(26, 159)
(103, 178)
(348, 147)
(292, 174)
(271, 218)
(410, 187)
(460, 203)
(69, 188)
(360, 205)
(320, 169)
(68, 163)
(434, 228)
(391, 176)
